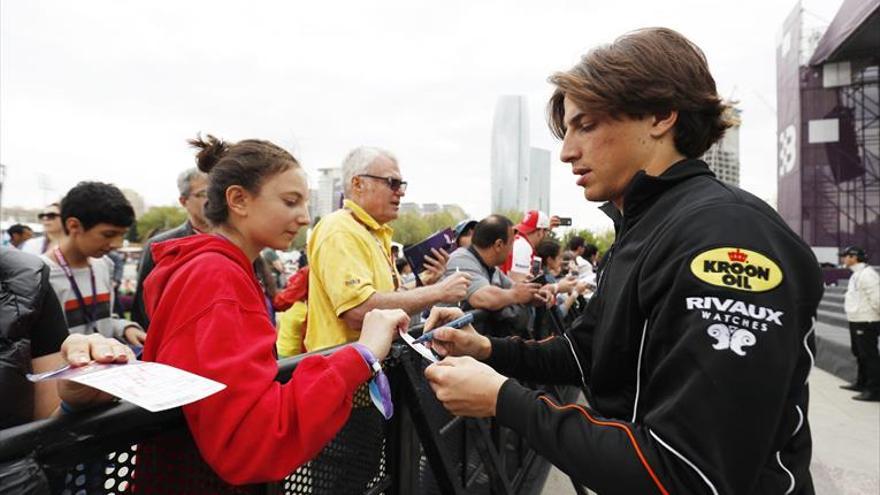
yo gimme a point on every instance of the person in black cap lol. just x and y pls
(862, 305)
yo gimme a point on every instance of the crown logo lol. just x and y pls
(737, 256)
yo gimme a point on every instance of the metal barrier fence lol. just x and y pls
(422, 450)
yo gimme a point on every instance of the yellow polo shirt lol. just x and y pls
(350, 258)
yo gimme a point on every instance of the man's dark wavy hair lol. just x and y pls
(650, 71)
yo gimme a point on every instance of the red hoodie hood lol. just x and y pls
(173, 254)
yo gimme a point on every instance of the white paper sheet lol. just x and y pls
(153, 386)
(418, 347)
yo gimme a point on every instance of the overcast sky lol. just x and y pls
(110, 90)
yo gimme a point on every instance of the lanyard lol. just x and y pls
(89, 314)
(394, 275)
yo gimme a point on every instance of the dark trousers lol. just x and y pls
(864, 336)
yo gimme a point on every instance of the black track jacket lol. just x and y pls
(694, 353)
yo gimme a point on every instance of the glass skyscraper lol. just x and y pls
(510, 154)
(520, 178)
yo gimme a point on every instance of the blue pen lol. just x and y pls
(467, 319)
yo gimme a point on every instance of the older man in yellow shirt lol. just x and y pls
(352, 270)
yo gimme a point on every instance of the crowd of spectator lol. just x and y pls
(347, 277)
(214, 297)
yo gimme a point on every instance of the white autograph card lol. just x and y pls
(418, 347)
(153, 386)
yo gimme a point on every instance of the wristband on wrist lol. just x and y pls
(380, 390)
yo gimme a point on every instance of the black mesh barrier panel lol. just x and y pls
(148, 453)
(467, 466)
(354, 461)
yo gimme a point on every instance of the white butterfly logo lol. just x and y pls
(735, 341)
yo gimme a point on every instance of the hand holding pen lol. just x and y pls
(445, 341)
(457, 323)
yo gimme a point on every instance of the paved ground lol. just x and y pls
(846, 442)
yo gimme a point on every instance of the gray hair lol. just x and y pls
(358, 161)
(184, 180)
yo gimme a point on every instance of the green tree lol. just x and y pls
(515, 216)
(160, 218)
(409, 228)
(602, 240)
(132, 234)
(412, 227)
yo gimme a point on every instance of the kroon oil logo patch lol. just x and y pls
(737, 268)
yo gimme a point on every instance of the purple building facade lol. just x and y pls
(828, 120)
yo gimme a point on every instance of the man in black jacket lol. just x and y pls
(694, 353)
(193, 187)
(34, 339)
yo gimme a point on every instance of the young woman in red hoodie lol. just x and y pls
(208, 316)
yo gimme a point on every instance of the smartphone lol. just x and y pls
(564, 221)
(535, 267)
(540, 279)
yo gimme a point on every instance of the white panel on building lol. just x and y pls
(823, 131)
(836, 74)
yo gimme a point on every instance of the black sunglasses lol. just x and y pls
(394, 184)
(48, 216)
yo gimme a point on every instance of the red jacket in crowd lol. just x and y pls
(208, 316)
(297, 289)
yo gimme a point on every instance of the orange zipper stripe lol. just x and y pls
(616, 425)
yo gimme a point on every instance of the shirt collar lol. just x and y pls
(362, 216)
(384, 231)
(489, 269)
(857, 267)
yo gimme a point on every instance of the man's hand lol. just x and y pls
(435, 266)
(544, 297)
(79, 350)
(134, 335)
(565, 285)
(380, 328)
(465, 386)
(583, 287)
(524, 292)
(554, 222)
(455, 342)
(453, 288)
